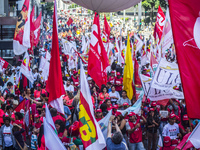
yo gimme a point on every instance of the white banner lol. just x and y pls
(166, 76)
(156, 94)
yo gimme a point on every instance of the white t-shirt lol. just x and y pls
(171, 130)
(69, 88)
(7, 136)
(116, 94)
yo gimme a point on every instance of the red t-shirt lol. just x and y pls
(118, 84)
(58, 117)
(38, 125)
(136, 136)
(111, 80)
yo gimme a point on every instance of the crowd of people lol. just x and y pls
(169, 122)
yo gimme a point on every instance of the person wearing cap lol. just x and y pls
(38, 91)
(166, 144)
(37, 123)
(114, 95)
(185, 123)
(115, 141)
(122, 100)
(171, 129)
(69, 87)
(98, 115)
(75, 80)
(153, 123)
(111, 79)
(134, 131)
(118, 83)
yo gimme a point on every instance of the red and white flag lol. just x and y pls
(185, 20)
(106, 30)
(90, 132)
(98, 59)
(37, 24)
(160, 22)
(25, 68)
(21, 40)
(69, 22)
(3, 64)
(55, 83)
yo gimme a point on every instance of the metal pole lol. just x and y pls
(124, 17)
(139, 14)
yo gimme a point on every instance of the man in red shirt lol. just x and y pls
(118, 83)
(134, 131)
(75, 80)
(112, 77)
(55, 116)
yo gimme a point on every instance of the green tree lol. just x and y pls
(49, 8)
(152, 5)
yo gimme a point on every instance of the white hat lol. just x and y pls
(89, 78)
(147, 62)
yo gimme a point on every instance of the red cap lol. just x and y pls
(148, 101)
(178, 102)
(118, 74)
(178, 118)
(98, 110)
(174, 142)
(153, 104)
(167, 141)
(131, 114)
(172, 116)
(117, 113)
(115, 106)
(185, 117)
(151, 109)
(44, 106)
(125, 104)
(112, 72)
(74, 129)
(36, 115)
(75, 72)
(38, 84)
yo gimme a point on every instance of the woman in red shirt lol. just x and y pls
(118, 83)
(108, 104)
(60, 127)
(103, 95)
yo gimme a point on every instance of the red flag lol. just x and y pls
(138, 83)
(32, 28)
(21, 106)
(106, 29)
(188, 144)
(55, 82)
(98, 59)
(160, 21)
(69, 22)
(153, 62)
(37, 29)
(3, 64)
(185, 22)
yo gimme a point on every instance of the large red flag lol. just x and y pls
(69, 22)
(160, 22)
(37, 29)
(20, 107)
(137, 80)
(3, 64)
(106, 29)
(55, 83)
(98, 59)
(185, 22)
(32, 28)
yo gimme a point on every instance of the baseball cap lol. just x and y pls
(115, 106)
(131, 114)
(167, 141)
(153, 104)
(172, 116)
(125, 104)
(38, 84)
(118, 113)
(112, 72)
(36, 115)
(185, 117)
(118, 73)
(98, 110)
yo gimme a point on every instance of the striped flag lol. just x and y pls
(90, 132)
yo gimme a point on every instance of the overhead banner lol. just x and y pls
(166, 76)
(156, 94)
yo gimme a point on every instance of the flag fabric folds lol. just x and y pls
(128, 72)
(55, 83)
(90, 132)
(21, 40)
(52, 140)
(185, 23)
(98, 60)
(25, 68)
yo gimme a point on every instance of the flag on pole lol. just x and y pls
(98, 59)
(52, 140)
(137, 81)
(55, 83)
(185, 22)
(69, 22)
(90, 132)
(37, 24)
(106, 30)
(128, 72)
(160, 22)
(21, 40)
(20, 107)
(32, 20)
(25, 68)
(3, 64)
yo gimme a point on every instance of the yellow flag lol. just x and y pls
(128, 72)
